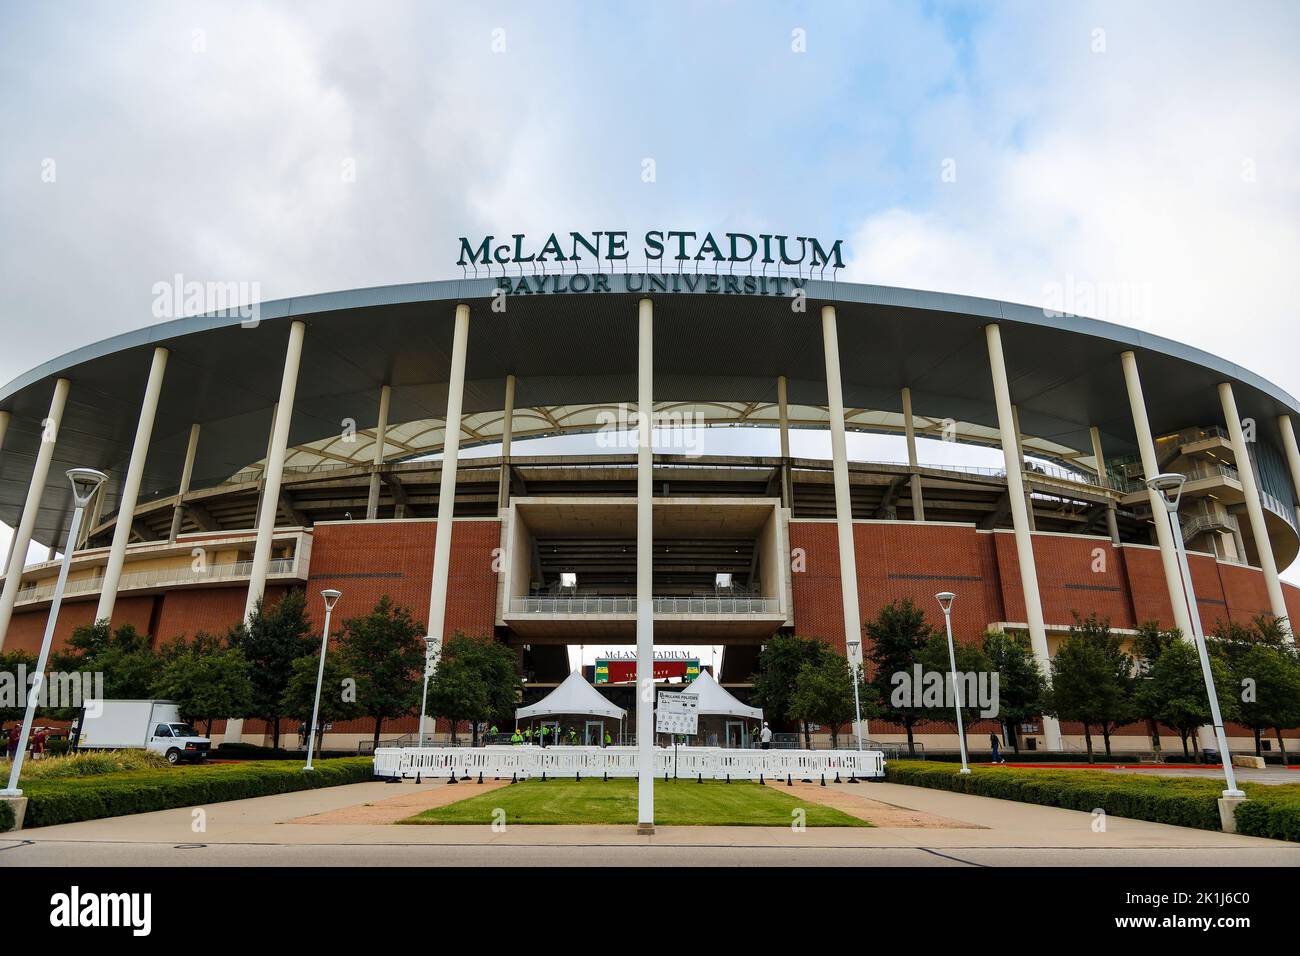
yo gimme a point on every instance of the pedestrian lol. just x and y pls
(765, 735)
(608, 740)
(38, 744)
(993, 740)
(516, 738)
(528, 735)
(11, 742)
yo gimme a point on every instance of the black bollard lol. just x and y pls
(699, 778)
(788, 781)
(417, 776)
(577, 776)
(837, 776)
(760, 779)
(604, 777)
(514, 777)
(543, 776)
(480, 776)
(728, 778)
(823, 780)
(452, 778)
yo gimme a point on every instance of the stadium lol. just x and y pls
(318, 444)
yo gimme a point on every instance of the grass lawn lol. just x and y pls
(677, 803)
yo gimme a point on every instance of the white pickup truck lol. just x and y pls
(154, 725)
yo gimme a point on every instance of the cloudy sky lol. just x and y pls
(1145, 150)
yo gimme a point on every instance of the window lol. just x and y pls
(162, 730)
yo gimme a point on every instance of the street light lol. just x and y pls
(331, 598)
(85, 482)
(1169, 486)
(945, 599)
(429, 645)
(854, 648)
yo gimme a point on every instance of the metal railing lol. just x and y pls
(596, 604)
(705, 763)
(158, 577)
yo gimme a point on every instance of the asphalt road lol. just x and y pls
(112, 853)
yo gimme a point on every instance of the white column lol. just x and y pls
(27, 523)
(1150, 468)
(843, 500)
(645, 617)
(1254, 508)
(447, 488)
(131, 487)
(1020, 519)
(1020, 459)
(909, 431)
(1292, 453)
(783, 419)
(274, 472)
(381, 436)
(187, 472)
(507, 433)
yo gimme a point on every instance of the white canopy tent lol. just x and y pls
(714, 699)
(574, 696)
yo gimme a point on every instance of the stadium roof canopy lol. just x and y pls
(717, 356)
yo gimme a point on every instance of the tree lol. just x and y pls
(476, 681)
(779, 665)
(272, 641)
(898, 636)
(1174, 691)
(1092, 679)
(1267, 679)
(823, 694)
(1148, 645)
(11, 688)
(933, 658)
(383, 651)
(206, 678)
(1021, 684)
(336, 697)
(123, 656)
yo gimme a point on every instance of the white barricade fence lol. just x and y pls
(691, 763)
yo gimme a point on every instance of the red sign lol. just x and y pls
(624, 671)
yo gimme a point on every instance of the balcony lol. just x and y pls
(160, 579)
(595, 604)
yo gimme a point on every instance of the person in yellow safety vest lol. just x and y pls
(516, 738)
(528, 735)
(608, 740)
(573, 736)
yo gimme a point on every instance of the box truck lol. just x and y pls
(154, 725)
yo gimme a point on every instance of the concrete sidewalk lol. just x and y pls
(995, 825)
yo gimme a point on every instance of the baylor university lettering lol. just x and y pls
(658, 245)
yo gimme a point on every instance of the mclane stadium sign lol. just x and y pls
(607, 249)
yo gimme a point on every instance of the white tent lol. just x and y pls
(714, 699)
(574, 696)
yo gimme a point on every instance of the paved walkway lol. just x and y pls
(289, 828)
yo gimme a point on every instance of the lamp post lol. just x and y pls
(1169, 486)
(945, 599)
(855, 648)
(331, 598)
(429, 645)
(85, 482)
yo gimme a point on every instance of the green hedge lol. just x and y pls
(6, 816)
(1271, 811)
(1183, 802)
(90, 798)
